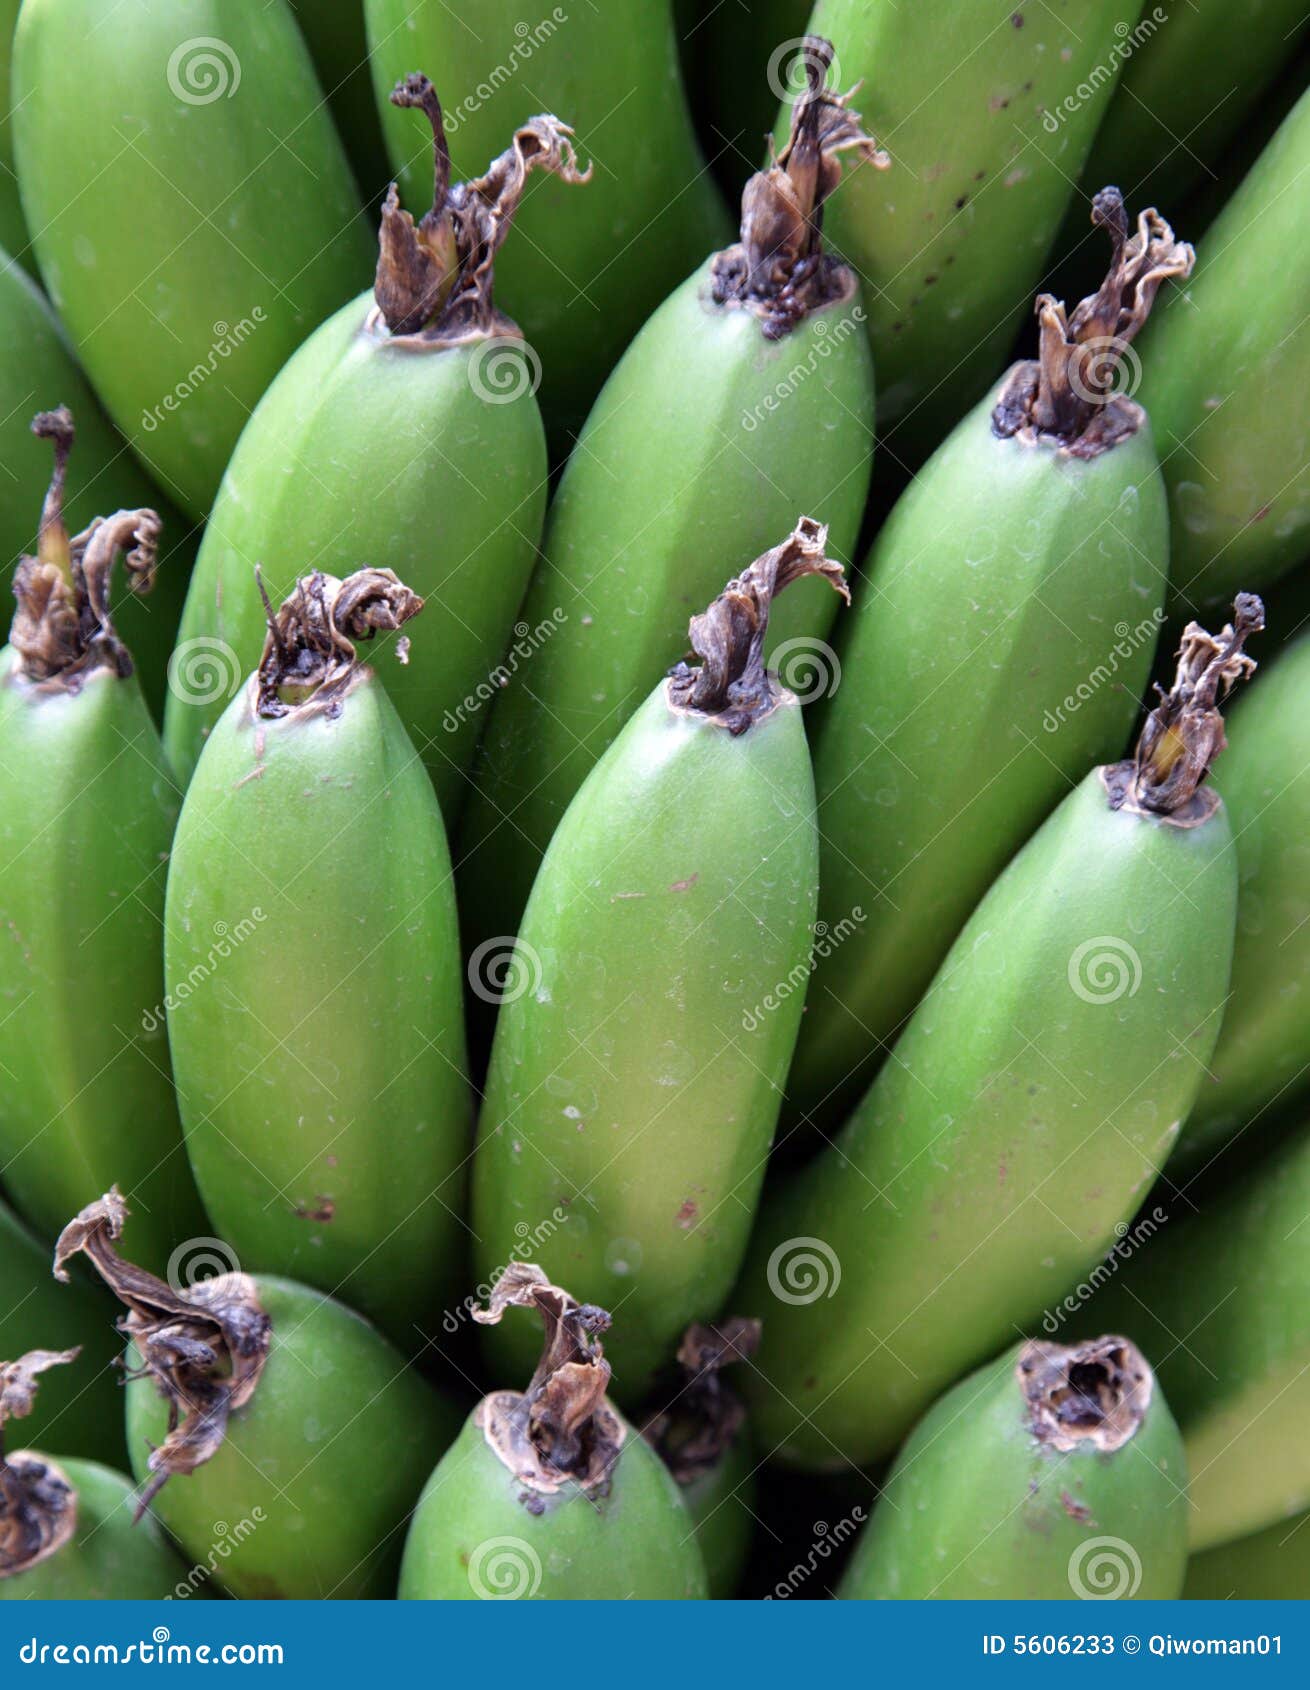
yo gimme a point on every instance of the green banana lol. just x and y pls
(326, 1107)
(1055, 1471)
(650, 1007)
(13, 230)
(951, 241)
(1188, 84)
(1269, 1566)
(282, 1419)
(66, 1530)
(1031, 1100)
(78, 1411)
(191, 210)
(702, 1438)
(1029, 556)
(1226, 374)
(36, 368)
(676, 483)
(405, 429)
(548, 1493)
(1263, 1056)
(87, 810)
(1219, 1297)
(587, 271)
(334, 33)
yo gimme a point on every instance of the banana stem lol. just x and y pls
(310, 652)
(1070, 392)
(436, 278)
(732, 685)
(778, 268)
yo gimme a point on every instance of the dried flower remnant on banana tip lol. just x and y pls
(204, 1347)
(692, 1434)
(62, 629)
(1094, 1393)
(1068, 393)
(435, 277)
(731, 683)
(779, 269)
(309, 651)
(561, 1430)
(38, 1506)
(1185, 732)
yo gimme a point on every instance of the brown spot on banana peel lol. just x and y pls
(62, 629)
(310, 660)
(38, 1505)
(434, 279)
(693, 1434)
(1184, 734)
(562, 1430)
(204, 1346)
(1067, 395)
(731, 685)
(778, 269)
(1094, 1393)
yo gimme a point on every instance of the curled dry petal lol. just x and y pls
(38, 1507)
(731, 682)
(309, 652)
(693, 1433)
(204, 1345)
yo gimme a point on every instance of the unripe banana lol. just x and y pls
(191, 209)
(1262, 1059)
(334, 33)
(1006, 633)
(703, 1439)
(36, 367)
(1269, 1566)
(66, 1527)
(586, 271)
(13, 230)
(1230, 1282)
(326, 1107)
(988, 109)
(655, 991)
(1056, 1471)
(1030, 1102)
(747, 396)
(548, 1493)
(265, 1412)
(404, 430)
(1226, 375)
(79, 1410)
(87, 808)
